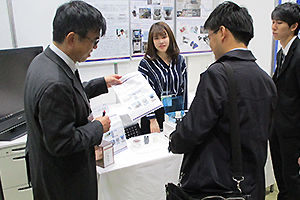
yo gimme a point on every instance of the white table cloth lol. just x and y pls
(139, 174)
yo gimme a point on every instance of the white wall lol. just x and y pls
(33, 21)
(5, 39)
(261, 44)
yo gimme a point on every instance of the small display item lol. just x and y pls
(146, 139)
(132, 131)
(137, 142)
(104, 154)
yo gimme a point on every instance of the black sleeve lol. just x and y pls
(204, 112)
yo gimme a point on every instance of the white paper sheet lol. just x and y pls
(137, 96)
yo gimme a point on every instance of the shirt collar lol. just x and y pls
(73, 66)
(245, 49)
(242, 54)
(288, 46)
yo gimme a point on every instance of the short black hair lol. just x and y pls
(233, 17)
(78, 17)
(288, 12)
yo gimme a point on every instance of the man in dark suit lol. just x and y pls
(61, 133)
(203, 135)
(285, 137)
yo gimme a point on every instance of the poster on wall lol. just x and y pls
(191, 15)
(143, 13)
(115, 43)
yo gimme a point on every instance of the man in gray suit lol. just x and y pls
(61, 135)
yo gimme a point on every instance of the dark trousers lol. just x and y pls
(145, 123)
(285, 152)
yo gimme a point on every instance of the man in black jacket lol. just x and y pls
(285, 135)
(203, 136)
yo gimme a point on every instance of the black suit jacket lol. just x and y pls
(204, 137)
(61, 139)
(287, 114)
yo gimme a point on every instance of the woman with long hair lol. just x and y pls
(165, 71)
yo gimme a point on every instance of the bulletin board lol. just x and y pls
(128, 24)
(185, 17)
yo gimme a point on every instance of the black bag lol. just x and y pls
(175, 192)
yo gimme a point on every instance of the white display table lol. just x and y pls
(139, 175)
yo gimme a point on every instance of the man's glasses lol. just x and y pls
(206, 38)
(93, 41)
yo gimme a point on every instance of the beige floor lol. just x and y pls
(272, 195)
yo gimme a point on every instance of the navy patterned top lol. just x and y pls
(165, 79)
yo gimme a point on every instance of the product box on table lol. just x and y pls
(104, 154)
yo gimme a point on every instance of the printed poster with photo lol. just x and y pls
(143, 14)
(191, 15)
(115, 43)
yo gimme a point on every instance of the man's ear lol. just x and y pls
(223, 32)
(70, 38)
(294, 26)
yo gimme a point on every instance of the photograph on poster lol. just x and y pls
(153, 2)
(145, 13)
(190, 36)
(168, 13)
(121, 33)
(188, 8)
(157, 14)
(137, 40)
(133, 13)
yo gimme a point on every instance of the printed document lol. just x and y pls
(137, 96)
(116, 133)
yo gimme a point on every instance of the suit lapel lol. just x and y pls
(76, 84)
(287, 57)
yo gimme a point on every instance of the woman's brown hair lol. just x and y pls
(160, 29)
